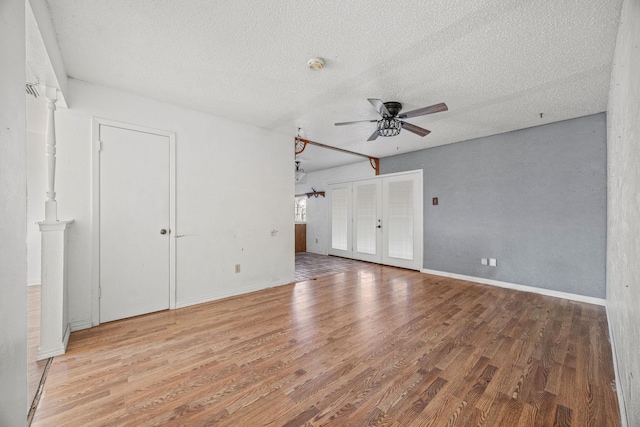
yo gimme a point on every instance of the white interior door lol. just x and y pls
(367, 220)
(402, 220)
(340, 220)
(134, 252)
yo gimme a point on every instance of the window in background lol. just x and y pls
(301, 209)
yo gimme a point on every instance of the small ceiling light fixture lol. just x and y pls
(299, 172)
(315, 64)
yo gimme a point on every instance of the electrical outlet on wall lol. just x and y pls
(483, 261)
(493, 262)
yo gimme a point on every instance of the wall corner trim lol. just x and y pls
(524, 288)
(612, 341)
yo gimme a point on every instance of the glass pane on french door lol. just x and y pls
(366, 217)
(339, 218)
(400, 219)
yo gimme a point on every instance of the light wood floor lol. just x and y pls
(369, 345)
(34, 368)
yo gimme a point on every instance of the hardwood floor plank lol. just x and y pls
(420, 403)
(503, 411)
(35, 368)
(351, 344)
(563, 417)
(302, 417)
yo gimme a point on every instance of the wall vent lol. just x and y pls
(32, 89)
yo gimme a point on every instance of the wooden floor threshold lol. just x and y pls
(36, 398)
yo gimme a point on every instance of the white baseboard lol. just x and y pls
(78, 325)
(45, 353)
(33, 283)
(221, 295)
(612, 341)
(524, 288)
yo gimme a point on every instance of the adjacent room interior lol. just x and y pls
(330, 213)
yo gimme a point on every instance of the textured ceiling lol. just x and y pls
(38, 67)
(497, 64)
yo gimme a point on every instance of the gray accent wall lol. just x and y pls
(533, 199)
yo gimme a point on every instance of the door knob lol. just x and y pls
(163, 231)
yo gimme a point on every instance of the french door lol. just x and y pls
(378, 220)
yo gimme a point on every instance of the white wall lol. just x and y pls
(317, 208)
(36, 182)
(623, 207)
(36, 194)
(13, 264)
(234, 185)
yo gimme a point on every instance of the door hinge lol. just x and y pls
(99, 145)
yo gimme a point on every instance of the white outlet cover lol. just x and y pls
(493, 262)
(483, 261)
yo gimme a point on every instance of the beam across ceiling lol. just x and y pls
(301, 144)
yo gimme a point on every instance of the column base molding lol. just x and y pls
(56, 350)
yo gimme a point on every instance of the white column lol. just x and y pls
(51, 206)
(54, 320)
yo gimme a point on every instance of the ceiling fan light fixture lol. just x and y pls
(315, 64)
(389, 126)
(299, 172)
(392, 122)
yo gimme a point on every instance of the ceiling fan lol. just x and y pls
(390, 123)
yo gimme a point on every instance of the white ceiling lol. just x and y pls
(38, 67)
(497, 64)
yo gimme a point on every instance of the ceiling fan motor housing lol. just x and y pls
(393, 107)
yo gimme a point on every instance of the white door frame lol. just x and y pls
(95, 216)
